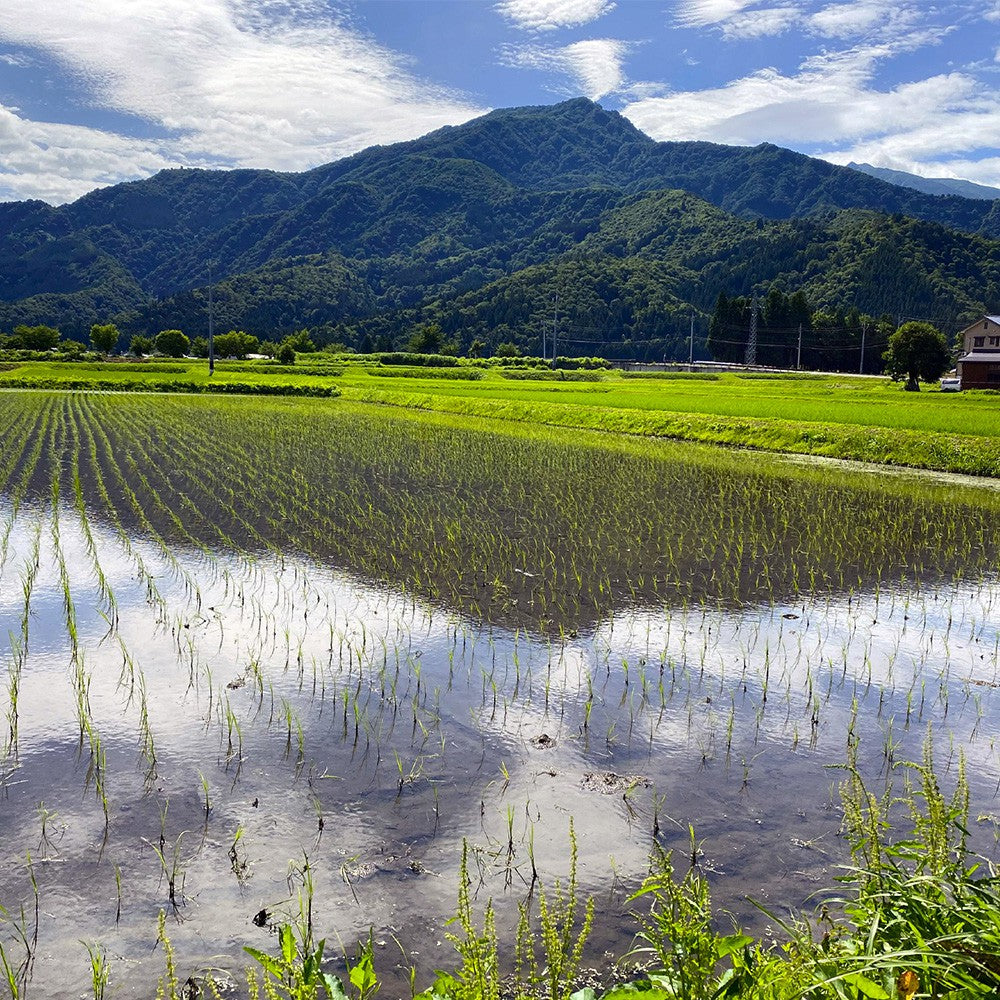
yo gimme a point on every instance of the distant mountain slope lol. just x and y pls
(929, 185)
(394, 232)
(662, 257)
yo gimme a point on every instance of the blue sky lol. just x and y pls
(93, 92)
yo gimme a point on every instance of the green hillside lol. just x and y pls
(484, 226)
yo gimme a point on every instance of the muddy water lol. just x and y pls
(225, 719)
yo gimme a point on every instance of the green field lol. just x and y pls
(845, 417)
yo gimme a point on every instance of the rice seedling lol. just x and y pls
(100, 969)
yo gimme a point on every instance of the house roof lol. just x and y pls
(989, 357)
(993, 319)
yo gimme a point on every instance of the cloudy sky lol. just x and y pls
(97, 91)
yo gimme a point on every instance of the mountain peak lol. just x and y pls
(575, 143)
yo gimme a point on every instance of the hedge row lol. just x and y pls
(134, 385)
(415, 360)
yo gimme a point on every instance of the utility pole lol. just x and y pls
(691, 349)
(798, 357)
(211, 329)
(864, 330)
(555, 327)
(751, 358)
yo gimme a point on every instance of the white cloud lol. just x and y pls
(746, 19)
(843, 20)
(759, 23)
(283, 85)
(548, 15)
(832, 107)
(701, 13)
(58, 163)
(860, 17)
(594, 65)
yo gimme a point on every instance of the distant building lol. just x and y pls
(979, 365)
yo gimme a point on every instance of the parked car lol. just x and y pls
(951, 385)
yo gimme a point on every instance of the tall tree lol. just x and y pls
(104, 337)
(173, 343)
(917, 352)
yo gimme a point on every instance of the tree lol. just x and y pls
(917, 351)
(172, 343)
(476, 348)
(508, 349)
(104, 337)
(301, 342)
(236, 344)
(72, 348)
(426, 339)
(141, 345)
(36, 338)
(199, 347)
(285, 353)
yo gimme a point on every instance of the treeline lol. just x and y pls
(791, 334)
(105, 338)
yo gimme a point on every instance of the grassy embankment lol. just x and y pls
(837, 416)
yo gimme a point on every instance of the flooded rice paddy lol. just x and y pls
(241, 637)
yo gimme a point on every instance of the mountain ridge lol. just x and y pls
(437, 217)
(930, 185)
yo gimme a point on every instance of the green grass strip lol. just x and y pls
(967, 454)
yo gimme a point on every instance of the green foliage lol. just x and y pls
(410, 358)
(141, 345)
(678, 930)
(427, 339)
(548, 961)
(104, 337)
(236, 344)
(296, 972)
(300, 342)
(167, 987)
(507, 350)
(587, 364)
(478, 975)
(172, 343)
(36, 338)
(285, 354)
(72, 348)
(917, 352)
(219, 388)
(100, 969)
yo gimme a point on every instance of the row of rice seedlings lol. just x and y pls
(36, 432)
(14, 491)
(207, 481)
(19, 643)
(107, 508)
(445, 545)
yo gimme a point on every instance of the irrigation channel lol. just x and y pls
(245, 635)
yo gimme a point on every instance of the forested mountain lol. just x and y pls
(514, 224)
